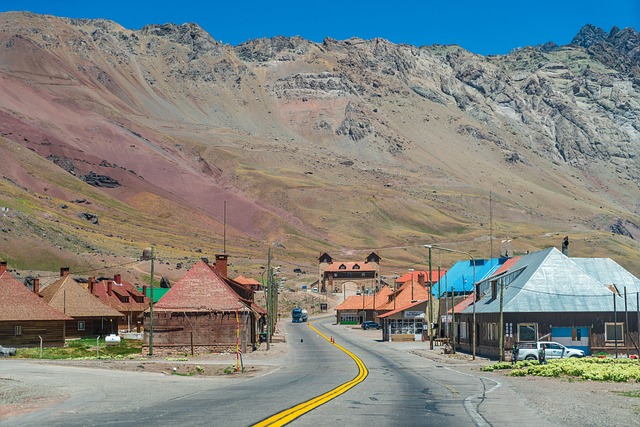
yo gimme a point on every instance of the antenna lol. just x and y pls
(224, 229)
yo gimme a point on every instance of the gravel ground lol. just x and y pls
(561, 401)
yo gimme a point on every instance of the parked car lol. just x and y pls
(553, 350)
(7, 351)
(370, 325)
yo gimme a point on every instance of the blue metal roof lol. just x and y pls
(462, 275)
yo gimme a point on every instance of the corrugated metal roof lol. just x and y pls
(462, 275)
(548, 281)
(609, 272)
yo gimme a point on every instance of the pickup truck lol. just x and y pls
(554, 350)
(7, 351)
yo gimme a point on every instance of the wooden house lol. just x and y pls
(91, 317)
(578, 302)
(25, 319)
(121, 296)
(205, 311)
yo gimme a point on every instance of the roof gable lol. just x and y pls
(201, 289)
(19, 303)
(71, 298)
(548, 281)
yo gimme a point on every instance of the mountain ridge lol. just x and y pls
(325, 146)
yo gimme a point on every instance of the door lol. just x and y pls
(572, 336)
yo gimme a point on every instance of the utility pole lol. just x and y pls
(453, 323)
(473, 262)
(431, 302)
(151, 306)
(501, 321)
(439, 302)
(269, 320)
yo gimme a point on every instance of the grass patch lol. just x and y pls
(588, 368)
(633, 393)
(85, 348)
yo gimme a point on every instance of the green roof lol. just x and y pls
(157, 293)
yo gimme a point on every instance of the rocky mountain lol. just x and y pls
(167, 136)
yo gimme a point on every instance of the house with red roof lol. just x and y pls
(342, 275)
(359, 308)
(205, 311)
(121, 296)
(91, 317)
(252, 284)
(403, 316)
(25, 319)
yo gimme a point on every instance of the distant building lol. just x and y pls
(341, 276)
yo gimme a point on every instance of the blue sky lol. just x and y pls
(485, 27)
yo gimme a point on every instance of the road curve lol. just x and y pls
(401, 388)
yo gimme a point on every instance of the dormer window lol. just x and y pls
(356, 267)
(342, 267)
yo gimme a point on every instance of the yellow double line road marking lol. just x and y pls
(288, 415)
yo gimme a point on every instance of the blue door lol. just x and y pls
(572, 336)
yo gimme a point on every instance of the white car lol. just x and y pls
(553, 350)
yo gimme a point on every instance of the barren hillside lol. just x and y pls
(349, 145)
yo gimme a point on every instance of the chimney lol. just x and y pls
(64, 271)
(36, 286)
(565, 246)
(3, 266)
(144, 290)
(420, 279)
(221, 264)
(92, 284)
(109, 287)
(117, 279)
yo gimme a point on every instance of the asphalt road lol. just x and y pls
(401, 389)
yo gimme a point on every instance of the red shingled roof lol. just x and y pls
(404, 296)
(137, 302)
(19, 303)
(252, 284)
(202, 288)
(425, 276)
(351, 266)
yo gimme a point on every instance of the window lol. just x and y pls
(348, 317)
(81, 325)
(614, 332)
(463, 330)
(527, 331)
(17, 330)
(576, 334)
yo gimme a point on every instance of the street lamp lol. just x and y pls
(431, 299)
(473, 262)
